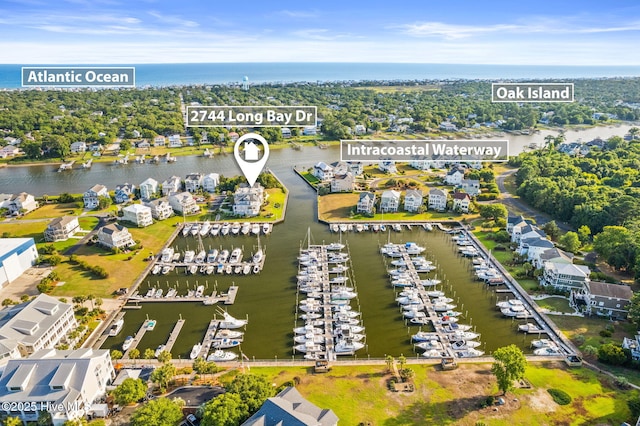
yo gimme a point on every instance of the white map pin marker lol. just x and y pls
(249, 159)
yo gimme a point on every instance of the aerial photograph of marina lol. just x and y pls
(319, 214)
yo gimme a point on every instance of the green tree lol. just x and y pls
(149, 353)
(165, 357)
(104, 202)
(617, 246)
(389, 361)
(584, 234)
(570, 241)
(551, 228)
(634, 309)
(611, 353)
(116, 354)
(163, 375)
(493, 211)
(509, 366)
(134, 354)
(161, 412)
(402, 361)
(13, 421)
(131, 390)
(254, 390)
(227, 409)
(44, 418)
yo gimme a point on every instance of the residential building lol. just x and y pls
(193, 182)
(603, 299)
(28, 327)
(91, 198)
(159, 141)
(342, 182)
(160, 208)
(233, 136)
(22, 203)
(183, 203)
(78, 147)
(148, 188)
(366, 203)
(16, 256)
(286, 132)
(173, 184)
(420, 162)
(470, 186)
(247, 201)
(454, 177)
(533, 248)
(565, 276)
(447, 126)
(143, 144)
(9, 151)
(461, 201)
(174, 141)
(68, 382)
(513, 221)
(413, 200)
(387, 166)
(554, 255)
(322, 171)
(360, 129)
(122, 193)
(356, 167)
(61, 228)
(115, 236)
(138, 214)
(210, 182)
(437, 199)
(633, 345)
(310, 131)
(390, 201)
(524, 230)
(289, 408)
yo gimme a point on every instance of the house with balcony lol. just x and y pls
(159, 141)
(603, 299)
(193, 182)
(123, 193)
(183, 203)
(413, 200)
(454, 176)
(366, 203)
(91, 198)
(322, 171)
(565, 276)
(390, 201)
(524, 230)
(160, 208)
(461, 202)
(210, 182)
(148, 188)
(470, 186)
(78, 147)
(437, 199)
(247, 201)
(343, 182)
(61, 229)
(22, 203)
(114, 236)
(173, 184)
(387, 166)
(175, 141)
(138, 214)
(533, 248)
(355, 167)
(552, 255)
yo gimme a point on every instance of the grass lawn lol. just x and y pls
(358, 394)
(47, 211)
(555, 304)
(268, 213)
(33, 230)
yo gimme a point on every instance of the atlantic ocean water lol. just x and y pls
(233, 73)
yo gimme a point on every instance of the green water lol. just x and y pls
(269, 299)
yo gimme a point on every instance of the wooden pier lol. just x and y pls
(207, 341)
(174, 335)
(227, 298)
(136, 339)
(105, 334)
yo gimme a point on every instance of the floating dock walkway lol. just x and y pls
(174, 335)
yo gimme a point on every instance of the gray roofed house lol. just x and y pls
(160, 208)
(61, 228)
(603, 299)
(115, 236)
(289, 408)
(366, 202)
(553, 255)
(533, 247)
(565, 276)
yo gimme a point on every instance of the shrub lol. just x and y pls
(579, 339)
(605, 333)
(612, 354)
(559, 396)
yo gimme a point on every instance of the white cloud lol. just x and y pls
(299, 13)
(173, 20)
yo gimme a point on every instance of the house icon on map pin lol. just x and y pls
(251, 151)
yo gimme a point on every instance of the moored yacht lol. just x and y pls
(116, 327)
(195, 351)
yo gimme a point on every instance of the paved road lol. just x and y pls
(517, 204)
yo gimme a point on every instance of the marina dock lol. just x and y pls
(227, 298)
(174, 335)
(136, 339)
(105, 334)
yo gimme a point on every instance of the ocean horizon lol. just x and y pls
(172, 74)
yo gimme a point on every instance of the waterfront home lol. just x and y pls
(204, 138)
(9, 151)
(322, 171)
(390, 201)
(343, 182)
(123, 193)
(420, 162)
(210, 182)
(461, 201)
(387, 166)
(183, 203)
(437, 199)
(115, 236)
(290, 408)
(92, 196)
(447, 126)
(413, 200)
(515, 220)
(286, 132)
(38, 324)
(175, 141)
(138, 214)
(148, 188)
(159, 141)
(61, 228)
(143, 144)
(193, 182)
(360, 129)
(454, 176)
(310, 131)
(78, 147)
(5, 199)
(160, 208)
(603, 299)
(552, 255)
(136, 133)
(366, 203)
(534, 247)
(22, 203)
(13, 141)
(470, 186)
(633, 345)
(173, 184)
(247, 201)
(564, 276)
(16, 256)
(355, 167)
(74, 380)
(233, 136)
(524, 230)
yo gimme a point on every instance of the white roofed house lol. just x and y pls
(210, 182)
(470, 186)
(115, 236)
(16, 256)
(413, 200)
(137, 214)
(513, 221)
(461, 202)
(356, 167)
(323, 171)
(160, 208)
(183, 203)
(159, 141)
(173, 184)
(552, 255)
(454, 177)
(247, 201)
(523, 230)
(342, 182)
(174, 141)
(360, 129)
(61, 228)
(78, 147)
(92, 196)
(67, 383)
(387, 166)
(122, 193)
(390, 201)
(565, 276)
(9, 151)
(366, 203)
(22, 203)
(193, 182)
(438, 199)
(148, 188)
(533, 248)
(603, 299)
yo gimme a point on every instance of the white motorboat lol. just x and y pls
(193, 269)
(151, 292)
(167, 255)
(396, 227)
(430, 282)
(423, 336)
(257, 257)
(550, 351)
(338, 269)
(189, 255)
(158, 294)
(335, 246)
(236, 255)
(223, 256)
(443, 307)
(200, 291)
(171, 293)
(176, 257)
(266, 228)
(334, 227)
(434, 353)
(186, 229)
(255, 228)
(456, 327)
(225, 333)
(359, 227)
(246, 269)
(229, 321)
(215, 229)
(429, 344)
(150, 324)
(159, 350)
(513, 311)
(224, 229)
(343, 227)
(435, 293)
(195, 229)
(347, 347)
(375, 227)
(235, 228)
(464, 344)
(205, 228)
(413, 248)
(127, 343)
(246, 228)
(529, 328)
(469, 353)
(225, 343)
(212, 255)
(221, 356)
(165, 270)
(543, 343)
(446, 320)
(116, 327)
(309, 337)
(509, 303)
(237, 269)
(156, 269)
(309, 347)
(427, 227)
(195, 351)
(201, 256)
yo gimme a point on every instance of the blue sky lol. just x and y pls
(150, 31)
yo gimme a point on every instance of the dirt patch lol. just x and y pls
(541, 400)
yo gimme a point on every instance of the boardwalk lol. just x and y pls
(105, 335)
(174, 335)
(136, 339)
